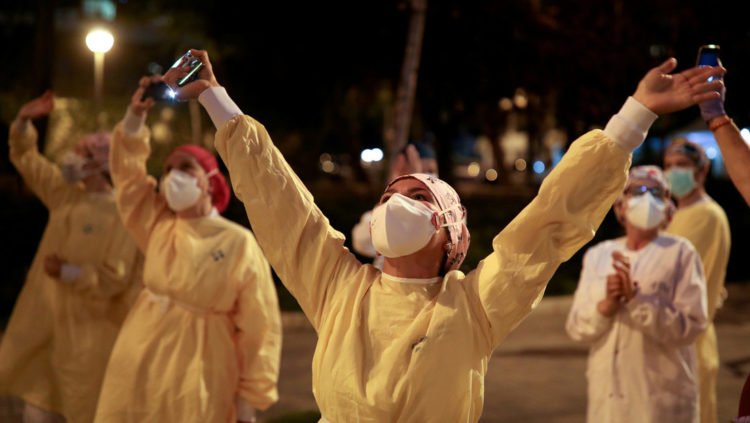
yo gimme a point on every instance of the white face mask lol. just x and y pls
(402, 226)
(645, 211)
(72, 169)
(180, 189)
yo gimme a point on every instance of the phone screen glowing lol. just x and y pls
(191, 62)
(709, 56)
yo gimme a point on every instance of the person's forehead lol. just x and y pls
(637, 182)
(180, 157)
(677, 157)
(407, 184)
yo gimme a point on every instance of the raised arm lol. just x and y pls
(575, 197)
(41, 176)
(734, 149)
(307, 253)
(736, 154)
(140, 207)
(258, 322)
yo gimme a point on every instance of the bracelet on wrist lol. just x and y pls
(719, 124)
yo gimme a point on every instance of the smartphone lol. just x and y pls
(194, 66)
(159, 91)
(708, 55)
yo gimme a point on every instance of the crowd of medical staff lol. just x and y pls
(144, 304)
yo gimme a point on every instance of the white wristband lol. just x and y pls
(219, 105)
(132, 123)
(628, 128)
(21, 125)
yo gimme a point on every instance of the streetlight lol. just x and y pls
(99, 41)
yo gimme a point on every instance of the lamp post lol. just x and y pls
(99, 41)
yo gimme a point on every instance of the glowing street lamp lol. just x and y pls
(99, 41)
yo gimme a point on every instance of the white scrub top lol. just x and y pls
(642, 362)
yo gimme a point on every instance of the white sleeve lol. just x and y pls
(132, 123)
(22, 124)
(219, 105)
(628, 128)
(680, 320)
(585, 323)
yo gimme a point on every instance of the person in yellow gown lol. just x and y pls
(411, 343)
(81, 283)
(202, 343)
(703, 222)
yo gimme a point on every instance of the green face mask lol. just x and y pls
(681, 181)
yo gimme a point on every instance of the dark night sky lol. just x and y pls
(288, 62)
(293, 65)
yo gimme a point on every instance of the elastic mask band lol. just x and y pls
(436, 217)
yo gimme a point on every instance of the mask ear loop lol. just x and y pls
(436, 218)
(213, 172)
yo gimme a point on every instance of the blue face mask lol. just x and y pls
(681, 181)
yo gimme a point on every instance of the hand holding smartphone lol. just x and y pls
(190, 75)
(193, 65)
(159, 91)
(708, 55)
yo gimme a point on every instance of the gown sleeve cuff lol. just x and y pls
(628, 128)
(132, 123)
(69, 273)
(245, 411)
(21, 125)
(219, 105)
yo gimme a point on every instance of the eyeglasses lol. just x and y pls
(636, 190)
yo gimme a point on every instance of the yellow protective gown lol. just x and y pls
(706, 226)
(207, 327)
(59, 337)
(393, 351)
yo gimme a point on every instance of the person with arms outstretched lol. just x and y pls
(202, 343)
(411, 343)
(83, 279)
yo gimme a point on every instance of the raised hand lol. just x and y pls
(406, 163)
(38, 107)
(663, 92)
(611, 302)
(621, 264)
(193, 89)
(714, 108)
(137, 105)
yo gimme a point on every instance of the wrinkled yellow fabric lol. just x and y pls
(390, 351)
(706, 226)
(206, 329)
(59, 337)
